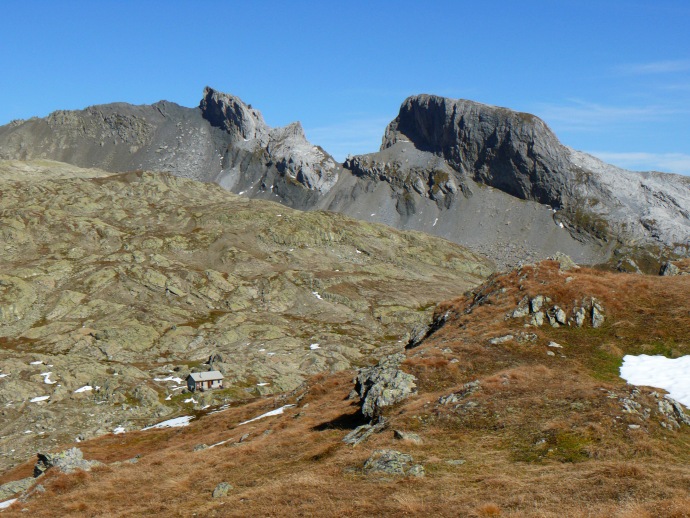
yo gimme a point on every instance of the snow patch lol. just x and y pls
(314, 347)
(3, 375)
(670, 374)
(435, 221)
(119, 429)
(38, 399)
(85, 388)
(169, 378)
(190, 400)
(46, 378)
(7, 503)
(177, 422)
(316, 294)
(37, 362)
(277, 411)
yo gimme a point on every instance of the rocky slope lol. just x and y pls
(115, 287)
(489, 178)
(486, 416)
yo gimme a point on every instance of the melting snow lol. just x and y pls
(169, 378)
(190, 400)
(39, 398)
(261, 384)
(277, 411)
(85, 388)
(37, 362)
(7, 503)
(3, 375)
(358, 251)
(316, 294)
(177, 422)
(314, 347)
(672, 375)
(46, 378)
(119, 429)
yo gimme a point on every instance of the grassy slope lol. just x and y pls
(548, 436)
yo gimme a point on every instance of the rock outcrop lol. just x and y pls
(67, 461)
(383, 385)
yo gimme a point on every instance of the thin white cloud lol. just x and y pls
(579, 115)
(640, 161)
(655, 67)
(353, 137)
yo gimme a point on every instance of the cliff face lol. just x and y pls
(512, 151)
(487, 177)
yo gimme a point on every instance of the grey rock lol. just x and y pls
(67, 461)
(222, 489)
(392, 462)
(598, 317)
(501, 339)
(407, 436)
(668, 269)
(537, 319)
(579, 316)
(565, 263)
(10, 489)
(383, 385)
(537, 303)
(362, 433)
(200, 447)
(522, 309)
(466, 390)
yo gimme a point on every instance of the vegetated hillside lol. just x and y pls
(115, 287)
(539, 424)
(495, 180)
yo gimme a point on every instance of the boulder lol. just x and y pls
(67, 461)
(222, 490)
(383, 385)
(392, 462)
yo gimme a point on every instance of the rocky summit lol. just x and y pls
(495, 180)
(115, 287)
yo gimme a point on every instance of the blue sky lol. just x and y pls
(609, 77)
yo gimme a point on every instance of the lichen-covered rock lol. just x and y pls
(10, 489)
(67, 461)
(392, 462)
(466, 390)
(598, 317)
(383, 385)
(222, 490)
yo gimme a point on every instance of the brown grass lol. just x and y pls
(544, 438)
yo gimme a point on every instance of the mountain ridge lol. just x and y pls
(436, 156)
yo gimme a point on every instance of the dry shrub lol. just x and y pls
(63, 483)
(489, 510)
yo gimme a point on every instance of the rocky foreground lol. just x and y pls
(510, 403)
(115, 287)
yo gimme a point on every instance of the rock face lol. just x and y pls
(518, 154)
(383, 385)
(489, 178)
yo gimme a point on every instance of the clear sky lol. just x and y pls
(610, 77)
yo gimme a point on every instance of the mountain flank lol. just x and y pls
(490, 178)
(114, 287)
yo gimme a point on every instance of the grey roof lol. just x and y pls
(206, 376)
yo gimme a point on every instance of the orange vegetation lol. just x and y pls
(544, 435)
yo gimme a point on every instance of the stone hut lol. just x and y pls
(204, 381)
